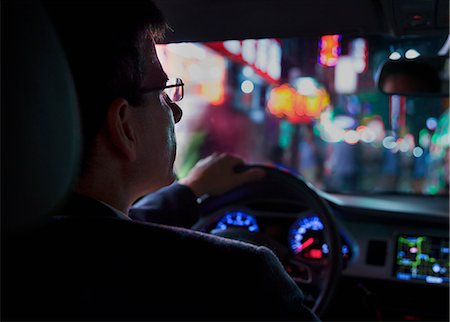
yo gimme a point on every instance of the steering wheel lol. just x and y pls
(317, 278)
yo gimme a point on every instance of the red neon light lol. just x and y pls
(330, 49)
(220, 47)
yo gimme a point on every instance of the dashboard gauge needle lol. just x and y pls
(307, 243)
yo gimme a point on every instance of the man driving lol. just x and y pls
(92, 261)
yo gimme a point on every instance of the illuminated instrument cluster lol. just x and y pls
(237, 219)
(306, 239)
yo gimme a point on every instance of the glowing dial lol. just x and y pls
(306, 238)
(237, 219)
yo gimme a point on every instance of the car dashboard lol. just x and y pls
(391, 245)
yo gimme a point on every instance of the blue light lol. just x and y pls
(423, 256)
(434, 280)
(237, 219)
(345, 250)
(444, 250)
(221, 226)
(403, 276)
(436, 268)
(432, 123)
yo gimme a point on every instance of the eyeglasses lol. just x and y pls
(174, 89)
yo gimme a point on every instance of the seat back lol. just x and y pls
(41, 137)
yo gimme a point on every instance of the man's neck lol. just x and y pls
(105, 190)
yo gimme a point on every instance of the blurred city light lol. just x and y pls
(366, 134)
(359, 65)
(187, 50)
(329, 50)
(418, 152)
(247, 86)
(351, 137)
(262, 55)
(248, 71)
(332, 134)
(344, 121)
(409, 140)
(389, 142)
(359, 52)
(233, 46)
(432, 123)
(285, 101)
(282, 100)
(306, 86)
(345, 80)
(424, 138)
(403, 145)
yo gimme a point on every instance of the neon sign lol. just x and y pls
(287, 102)
(359, 52)
(263, 55)
(329, 50)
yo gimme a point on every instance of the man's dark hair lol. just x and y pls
(103, 43)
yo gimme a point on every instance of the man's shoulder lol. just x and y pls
(195, 241)
(171, 262)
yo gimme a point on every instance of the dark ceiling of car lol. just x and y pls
(210, 20)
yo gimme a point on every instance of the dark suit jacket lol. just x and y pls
(88, 264)
(174, 205)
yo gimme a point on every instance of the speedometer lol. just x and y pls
(306, 237)
(237, 219)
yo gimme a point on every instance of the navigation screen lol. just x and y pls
(422, 258)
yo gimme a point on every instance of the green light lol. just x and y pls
(286, 130)
(433, 190)
(316, 130)
(424, 138)
(435, 139)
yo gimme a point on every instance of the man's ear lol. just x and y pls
(120, 128)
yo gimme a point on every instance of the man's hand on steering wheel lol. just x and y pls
(216, 174)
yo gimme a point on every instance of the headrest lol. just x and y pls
(41, 136)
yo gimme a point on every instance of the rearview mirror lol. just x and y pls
(419, 77)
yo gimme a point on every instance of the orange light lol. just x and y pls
(361, 128)
(287, 102)
(282, 100)
(213, 92)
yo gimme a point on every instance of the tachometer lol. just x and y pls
(237, 219)
(306, 237)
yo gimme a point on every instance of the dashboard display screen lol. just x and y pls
(422, 258)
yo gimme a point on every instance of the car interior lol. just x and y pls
(369, 244)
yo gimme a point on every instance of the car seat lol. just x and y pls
(41, 135)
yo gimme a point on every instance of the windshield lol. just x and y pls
(311, 105)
